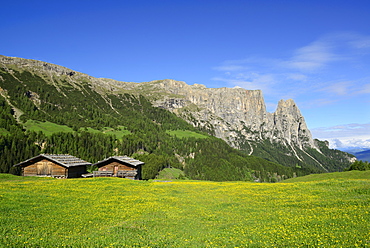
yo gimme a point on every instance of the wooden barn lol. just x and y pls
(52, 165)
(119, 166)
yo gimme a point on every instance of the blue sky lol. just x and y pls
(315, 52)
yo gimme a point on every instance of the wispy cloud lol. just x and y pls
(365, 89)
(312, 57)
(358, 41)
(231, 68)
(251, 80)
(297, 76)
(320, 102)
(339, 88)
(348, 88)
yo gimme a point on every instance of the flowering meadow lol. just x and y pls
(115, 212)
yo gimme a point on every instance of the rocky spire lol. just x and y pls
(290, 126)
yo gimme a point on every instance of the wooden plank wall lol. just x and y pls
(44, 168)
(110, 167)
(117, 166)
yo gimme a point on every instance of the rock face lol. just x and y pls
(291, 126)
(235, 113)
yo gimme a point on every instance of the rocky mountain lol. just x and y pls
(235, 113)
(237, 116)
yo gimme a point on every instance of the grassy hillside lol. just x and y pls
(48, 128)
(331, 176)
(112, 212)
(185, 134)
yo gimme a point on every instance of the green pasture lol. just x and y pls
(122, 131)
(186, 134)
(114, 212)
(354, 174)
(48, 128)
(171, 173)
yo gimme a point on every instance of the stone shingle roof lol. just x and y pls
(65, 160)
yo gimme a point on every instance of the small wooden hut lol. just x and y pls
(119, 166)
(54, 165)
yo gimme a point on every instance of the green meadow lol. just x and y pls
(48, 128)
(119, 133)
(114, 212)
(186, 134)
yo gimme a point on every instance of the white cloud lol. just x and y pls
(348, 143)
(343, 136)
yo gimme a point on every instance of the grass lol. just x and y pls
(48, 128)
(122, 131)
(113, 212)
(186, 134)
(171, 173)
(327, 176)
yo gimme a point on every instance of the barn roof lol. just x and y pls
(65, 160)
(123, 159)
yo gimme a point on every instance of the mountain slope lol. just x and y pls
(36, 90)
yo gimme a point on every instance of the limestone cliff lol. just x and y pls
(235, 112)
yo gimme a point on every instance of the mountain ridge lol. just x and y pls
(235, 115)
